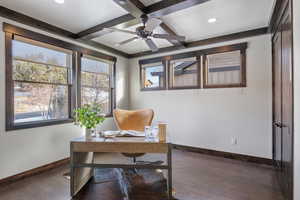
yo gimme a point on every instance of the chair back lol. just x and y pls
(133, 119)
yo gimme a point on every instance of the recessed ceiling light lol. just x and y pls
(59, 1)
(212, 20)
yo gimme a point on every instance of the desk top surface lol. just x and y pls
(118, 144)
(114, 140)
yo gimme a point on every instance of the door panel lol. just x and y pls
(287, 105)
(277, 100)
(283, 101)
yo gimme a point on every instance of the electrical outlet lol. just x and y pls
(234, 141)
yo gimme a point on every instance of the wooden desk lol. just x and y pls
(83, 160)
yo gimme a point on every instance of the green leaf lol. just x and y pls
(88, 116)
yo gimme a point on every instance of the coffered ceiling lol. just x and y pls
(231, 16)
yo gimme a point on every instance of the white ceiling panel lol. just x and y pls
(232, 16)
(73, 15)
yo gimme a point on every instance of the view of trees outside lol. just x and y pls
(95, 83)
(40, 83)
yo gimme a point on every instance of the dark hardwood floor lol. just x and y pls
(196, 177)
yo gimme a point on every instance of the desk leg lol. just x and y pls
(71, 170)
(80, 176)
(170, 172)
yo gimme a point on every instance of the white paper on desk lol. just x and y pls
(111, 133)
(124, 133)
(129, 133)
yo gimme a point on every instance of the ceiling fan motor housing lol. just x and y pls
(142, 33)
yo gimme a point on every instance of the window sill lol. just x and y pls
(241, 85)
(152, 89)
(27, 125)
(184, 88)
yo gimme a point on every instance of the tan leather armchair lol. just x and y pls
(133, 120)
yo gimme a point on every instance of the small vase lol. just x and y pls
(88, 132)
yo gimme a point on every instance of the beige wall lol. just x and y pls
(211, 118)
(296, 99)
(30, 148)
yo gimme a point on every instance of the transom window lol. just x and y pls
(153, 76)
(184, 73)
(219, 67)
(224, 69)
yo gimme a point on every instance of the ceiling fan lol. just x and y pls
(145, 33)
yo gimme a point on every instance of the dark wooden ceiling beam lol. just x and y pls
(29, 21)
(159, 9)
(108, 24)
(134, 7)
(168, 30)
(224, 38)
(166, 7)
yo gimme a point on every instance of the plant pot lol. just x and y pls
(88, 132)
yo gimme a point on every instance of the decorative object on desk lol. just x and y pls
(88, 117)
(155, 133)
(148, 133)
(162, 133)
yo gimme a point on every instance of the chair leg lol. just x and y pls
(134, 159)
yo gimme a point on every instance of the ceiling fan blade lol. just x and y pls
(151, 44)
(120, 30)
(127, 41)
(169, 37)
(152, 23)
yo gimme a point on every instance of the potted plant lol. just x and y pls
(88, 117)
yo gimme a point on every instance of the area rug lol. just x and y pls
(101, 175)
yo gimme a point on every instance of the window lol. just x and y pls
(96, 83)
(41, 76)
(224, 70)
(153, 76)
(184, 73)
(219, 67)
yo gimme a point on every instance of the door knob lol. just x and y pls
(278, 124)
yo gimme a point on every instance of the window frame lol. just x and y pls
(10, 124)
(242, 49)
(201, 56)
(112, 89)
(150, 62)
(10, 32)
(198, 74)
